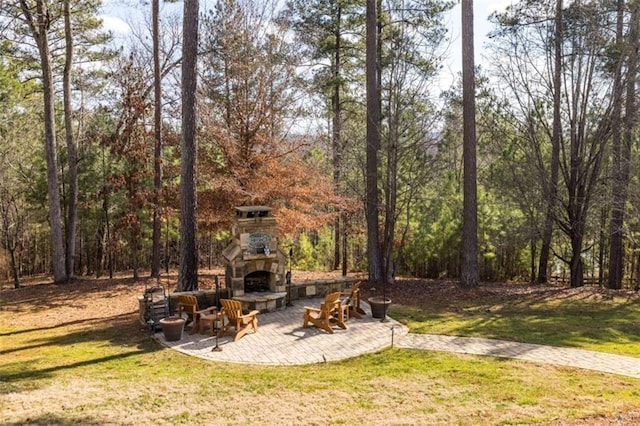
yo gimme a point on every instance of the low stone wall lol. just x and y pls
(206, 298)
(319, 288)
(270, 302)
(297, 290)
(155, 306)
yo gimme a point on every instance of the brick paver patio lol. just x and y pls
(281, 340)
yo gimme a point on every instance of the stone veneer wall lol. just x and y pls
(239, 263)
(206, 298)
(239, 269)
(319, 288)
(299, 290)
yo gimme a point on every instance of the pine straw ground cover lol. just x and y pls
(76, 354)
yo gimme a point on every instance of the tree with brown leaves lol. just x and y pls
(248, 154)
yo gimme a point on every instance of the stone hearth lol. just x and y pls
(255, 264)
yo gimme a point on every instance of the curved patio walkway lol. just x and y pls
(281, 340)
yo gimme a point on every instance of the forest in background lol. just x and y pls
(282, 121)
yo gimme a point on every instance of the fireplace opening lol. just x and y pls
(257, 281)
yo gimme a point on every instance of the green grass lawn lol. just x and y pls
(109, 371)
(607, 324)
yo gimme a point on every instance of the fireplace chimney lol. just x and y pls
(254, 260)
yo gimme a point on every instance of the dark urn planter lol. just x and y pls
(379, 306)
(172, 328)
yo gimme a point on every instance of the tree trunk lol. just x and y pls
(11, 232)
(533, 257)
(469, 275)
(81, 252)
(14, 268)
(336, 133)
(135, 255)
(188, 279)
(167, 256)
(552, 187)
(100, 252)
(72, 156)
(337, 237)
(602, 244)
(615, 225)
(39, 29)
(157, 154)
(373, 145)
(576, 265)
(344, 250)
(336, 130)
(391, 197)
(622, 146)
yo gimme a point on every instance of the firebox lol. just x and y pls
(254, 261)
(257, 281)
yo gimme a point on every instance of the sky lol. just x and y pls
(117, 15)
(482, 9)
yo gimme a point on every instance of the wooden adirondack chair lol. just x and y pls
(329, 314)
(353, 301)
(232, 317)
(189, 305)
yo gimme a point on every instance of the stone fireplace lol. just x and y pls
(255, 264)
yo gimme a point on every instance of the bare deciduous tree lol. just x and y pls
(552, 184)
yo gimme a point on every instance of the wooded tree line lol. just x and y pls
(328, 111)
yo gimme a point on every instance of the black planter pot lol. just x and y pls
(379, 306)
(172, 328)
